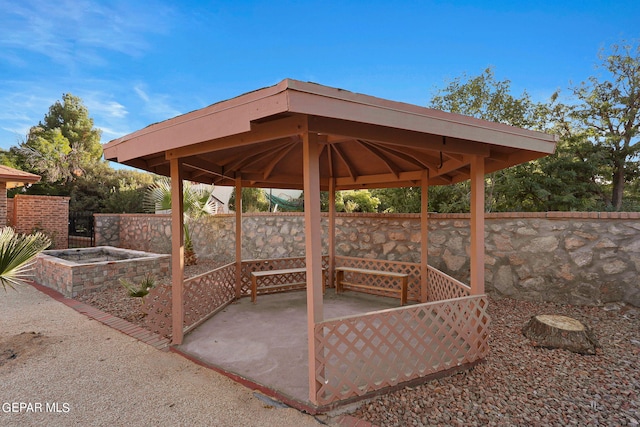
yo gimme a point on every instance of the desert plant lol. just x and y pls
(142, 289)
(17, 254)
(197, 201)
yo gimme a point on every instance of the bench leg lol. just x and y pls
(403, 295)
(324, 280)
(254, 289)
(339, 280)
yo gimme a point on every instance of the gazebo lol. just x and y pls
(316, 138)
(11, 178)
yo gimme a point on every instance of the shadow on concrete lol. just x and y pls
(266, 342)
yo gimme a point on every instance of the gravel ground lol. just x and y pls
(60, 368)
(522, 385)
(517, 384)
(115, 300)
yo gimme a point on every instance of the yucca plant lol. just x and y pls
(197, 201)
(17, 255)
(142, 290)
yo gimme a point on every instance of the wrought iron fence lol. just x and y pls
(81, 230)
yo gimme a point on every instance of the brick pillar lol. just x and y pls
(3, 204)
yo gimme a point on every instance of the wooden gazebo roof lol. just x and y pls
(312, 137)
(366, 142)
(16, 178)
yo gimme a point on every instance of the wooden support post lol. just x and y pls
(477, 225)
(313, 248)
(177, 253)
(238, 236)
(331, 231)
(424, 242)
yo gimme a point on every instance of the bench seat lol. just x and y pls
(403, 277)
(294, 273)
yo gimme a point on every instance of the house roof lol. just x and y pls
(16, 178)
(366, 142)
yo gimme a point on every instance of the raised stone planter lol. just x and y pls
(72, 271)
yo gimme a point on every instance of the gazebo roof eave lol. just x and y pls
(16, 178)
(238, 115)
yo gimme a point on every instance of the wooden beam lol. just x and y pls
(244, 158)
(477, 226)
(313, 249)
(277, 158)
(177, 254)
(379, 179)
(331, 231)
(238, 236)
(390, 164)
(260, 132)
(394, 136)
(412, 156)
(198, 163)
(350, 168)
(424, 242)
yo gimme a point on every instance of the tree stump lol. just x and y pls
(552, 331)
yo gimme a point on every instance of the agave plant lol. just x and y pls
(197, 201)
(17, 255)
(142, 290)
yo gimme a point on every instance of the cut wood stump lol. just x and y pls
(553, 331)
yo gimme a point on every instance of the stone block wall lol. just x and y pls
(566, 257)
(72, 278)
(49, 214)
(141, 232)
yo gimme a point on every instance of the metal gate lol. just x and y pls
(81, 230)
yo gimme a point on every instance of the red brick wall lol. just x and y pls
(49, 214)
(3, 204)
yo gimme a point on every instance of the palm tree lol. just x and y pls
(17, 254)
(197, 201)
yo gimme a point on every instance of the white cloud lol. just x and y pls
(106, 108)
(110, 133)
(70, 31)
(141, 93)
(156, 106)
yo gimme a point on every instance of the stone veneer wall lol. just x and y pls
(567, 257)
(49, 214)
(72, 278)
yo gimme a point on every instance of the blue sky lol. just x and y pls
(139, 62)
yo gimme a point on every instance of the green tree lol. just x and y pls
(253, 200)
(486, 98)
(126, 191)
(398, 200)
(610, 108)
(350, 201)
(63, 145)
(360, 201)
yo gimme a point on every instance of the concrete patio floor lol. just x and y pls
(266, 342)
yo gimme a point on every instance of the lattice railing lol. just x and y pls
(157, 306)
(442, 286)
(207, 292)
(412, 269)
(360, 354)
(203, 295)
(271, 264)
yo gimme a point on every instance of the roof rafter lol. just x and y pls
(278, 155)
(393, 168)
(352, 172)
(400, 137)
(413, 157)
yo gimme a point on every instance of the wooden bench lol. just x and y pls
(404, 281)
(292, 272)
